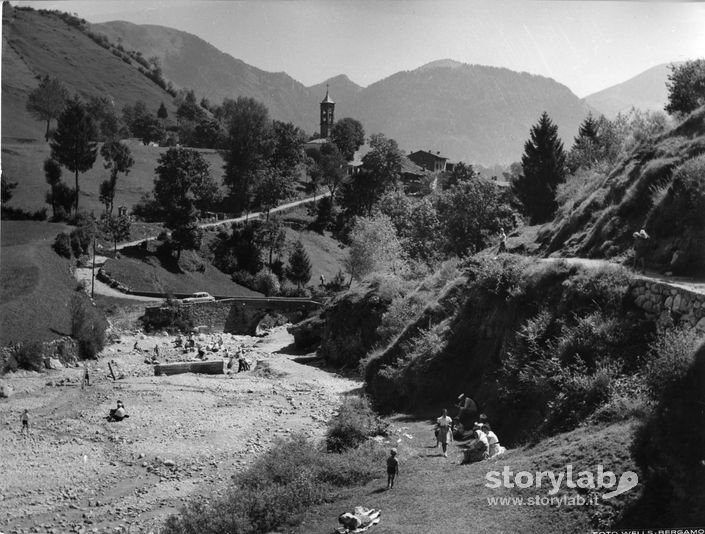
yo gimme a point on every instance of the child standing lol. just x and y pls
(392, 468)
(25, 422)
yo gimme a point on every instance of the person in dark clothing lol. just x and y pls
(392, 468)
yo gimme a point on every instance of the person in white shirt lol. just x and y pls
(444, 431)
(494, 447)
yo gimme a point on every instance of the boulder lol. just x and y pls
(53, 363)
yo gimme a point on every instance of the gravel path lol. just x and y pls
(186, 434)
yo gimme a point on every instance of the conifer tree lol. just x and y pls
(73, 145)
(543, 164)
(299, 269)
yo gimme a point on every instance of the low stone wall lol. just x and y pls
(670, 304)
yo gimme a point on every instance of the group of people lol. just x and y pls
(483, 443)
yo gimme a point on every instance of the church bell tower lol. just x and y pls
(327, 115)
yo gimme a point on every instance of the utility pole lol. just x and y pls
(93, 269)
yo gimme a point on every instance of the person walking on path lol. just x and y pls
(392, 468)
(86, 376)
(25, 423)
(443, 426)
(502, 241)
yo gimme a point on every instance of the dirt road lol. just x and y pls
(186, 434)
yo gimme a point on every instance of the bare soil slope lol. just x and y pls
(186, 434)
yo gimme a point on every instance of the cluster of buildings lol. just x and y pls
(417, 168)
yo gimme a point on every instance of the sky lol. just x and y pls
(586, 45)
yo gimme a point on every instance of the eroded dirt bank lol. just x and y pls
(186, 434)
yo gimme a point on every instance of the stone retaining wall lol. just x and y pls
(670, 304)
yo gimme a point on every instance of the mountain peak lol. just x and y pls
(442, 64)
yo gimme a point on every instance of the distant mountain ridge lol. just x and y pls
(646, 91)
(472, 113)
(468, 112)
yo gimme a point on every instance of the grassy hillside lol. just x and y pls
(659, 187)
(40, 43)
(141, 270)
(436, 494)
(35, 283)
(23, 163)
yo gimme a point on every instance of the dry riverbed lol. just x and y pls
(186, 435)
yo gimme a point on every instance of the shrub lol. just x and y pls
(277, 488)
(290, 290)
(267, 282)
(354, 423)
(244, 278)
(28, 355)
(17, 214)
(62, 245)
(88, 326)
(671, 355)
(603, 288)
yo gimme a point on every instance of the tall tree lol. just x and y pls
(348, 135)
(117, 229)
(299, 269)
(183, 182)
(73, 145)
(102, 111)
(47, 101)
(587, 145)
(383, 160)
(460, 174)
(118, 159)
(332, 167)
(272, 236)
(52, 173)
(686, 87)
(470, 214)
(162, 113)
(543, 168)
(374, 247)
(248, 148)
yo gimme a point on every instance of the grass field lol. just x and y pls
(142, 271)
(35, 283)
(23, 163)
(436, 494)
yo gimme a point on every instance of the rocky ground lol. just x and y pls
(186, 435)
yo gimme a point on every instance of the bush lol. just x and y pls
(671, 355)
(88, 326)
(277, 488)
(244, 278)
(10, 213)
(62, 245)
(353, 425)
(604, 288)
(267, 282)
(28, 355)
